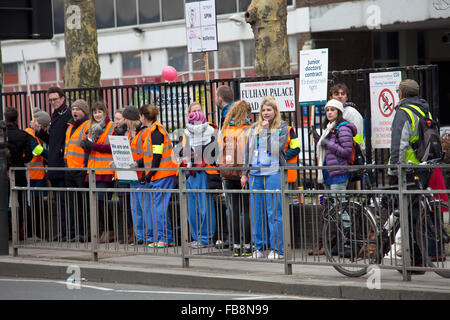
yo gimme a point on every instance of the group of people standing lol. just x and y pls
(76, 137)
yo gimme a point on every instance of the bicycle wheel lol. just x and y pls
(430, 237)
(351, 238)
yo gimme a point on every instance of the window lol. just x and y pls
(293, 53)
(10, 74)
(229, 55)
(249, 53)
(172, 10)
(126, 13)
(225, 6)
(131, 63)
(178, 58)
(104, 13)
(385, 49)
(198, 61)
(149, 11)
(47, 71)
(58, 16)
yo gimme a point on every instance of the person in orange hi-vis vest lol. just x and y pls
(158, 153)
(231, 143)
(99, 156)
(197, 136)
(137, 134)
(74, 157)
(38, 177)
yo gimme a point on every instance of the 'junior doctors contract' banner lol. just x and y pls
(313, 74)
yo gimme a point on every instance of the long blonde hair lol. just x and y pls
(238, 112)
(276, 122)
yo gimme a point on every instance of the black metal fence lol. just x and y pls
(174, 98)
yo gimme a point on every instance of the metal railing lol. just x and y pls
(234, 223)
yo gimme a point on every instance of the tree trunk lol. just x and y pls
(80, 32)
(268, 20)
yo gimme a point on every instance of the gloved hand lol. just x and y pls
(393, 180)
(146, 178)
(324, 142)
(313, 132)
(87, 145)
(134, 165)
(112, 165)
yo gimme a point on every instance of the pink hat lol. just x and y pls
(196, 117)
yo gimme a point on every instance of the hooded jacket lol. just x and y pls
(339, 147)
(405, 129)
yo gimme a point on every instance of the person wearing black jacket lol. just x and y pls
(55, 138)
(19, 153)
(56, 134)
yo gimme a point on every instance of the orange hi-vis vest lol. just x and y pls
(236, 133)
(207, 165)
(36, 162)
(136, 145)
(102, 160)
(73, 152)
(166, 151)
(292, 174)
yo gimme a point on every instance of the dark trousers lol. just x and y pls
(240, 216)
(76, 218)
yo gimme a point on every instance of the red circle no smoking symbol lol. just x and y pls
(386, 102)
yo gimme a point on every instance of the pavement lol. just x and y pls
(209, 272)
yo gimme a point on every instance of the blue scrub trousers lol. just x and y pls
(201, 210)
(265, 209)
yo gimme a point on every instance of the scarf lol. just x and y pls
(199, 134)
(321, 149)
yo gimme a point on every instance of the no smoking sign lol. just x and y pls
(386, 102)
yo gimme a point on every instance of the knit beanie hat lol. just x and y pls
(81, 104)
(196, 118)
(409, 88)
(131, 113)
(42, 117)
(335, 104)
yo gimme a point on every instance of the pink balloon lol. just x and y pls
(169, 73)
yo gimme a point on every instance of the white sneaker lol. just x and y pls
(274, 255)
(258, 254)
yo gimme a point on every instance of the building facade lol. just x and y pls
(138, 38)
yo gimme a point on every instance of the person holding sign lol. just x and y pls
(137, 126)
(158, 154)
(265, 143)
(99, 156)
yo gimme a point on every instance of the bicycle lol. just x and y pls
(371, 226)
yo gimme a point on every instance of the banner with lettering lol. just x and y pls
(123, 158)
(313, 77)
(283, 91)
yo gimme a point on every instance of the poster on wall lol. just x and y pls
(283, 91)
(383, 99)
(201, 26)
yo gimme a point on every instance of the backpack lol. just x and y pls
(429, 145)
(356, 159)
(229, 158)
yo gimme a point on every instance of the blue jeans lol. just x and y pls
(341, 197)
